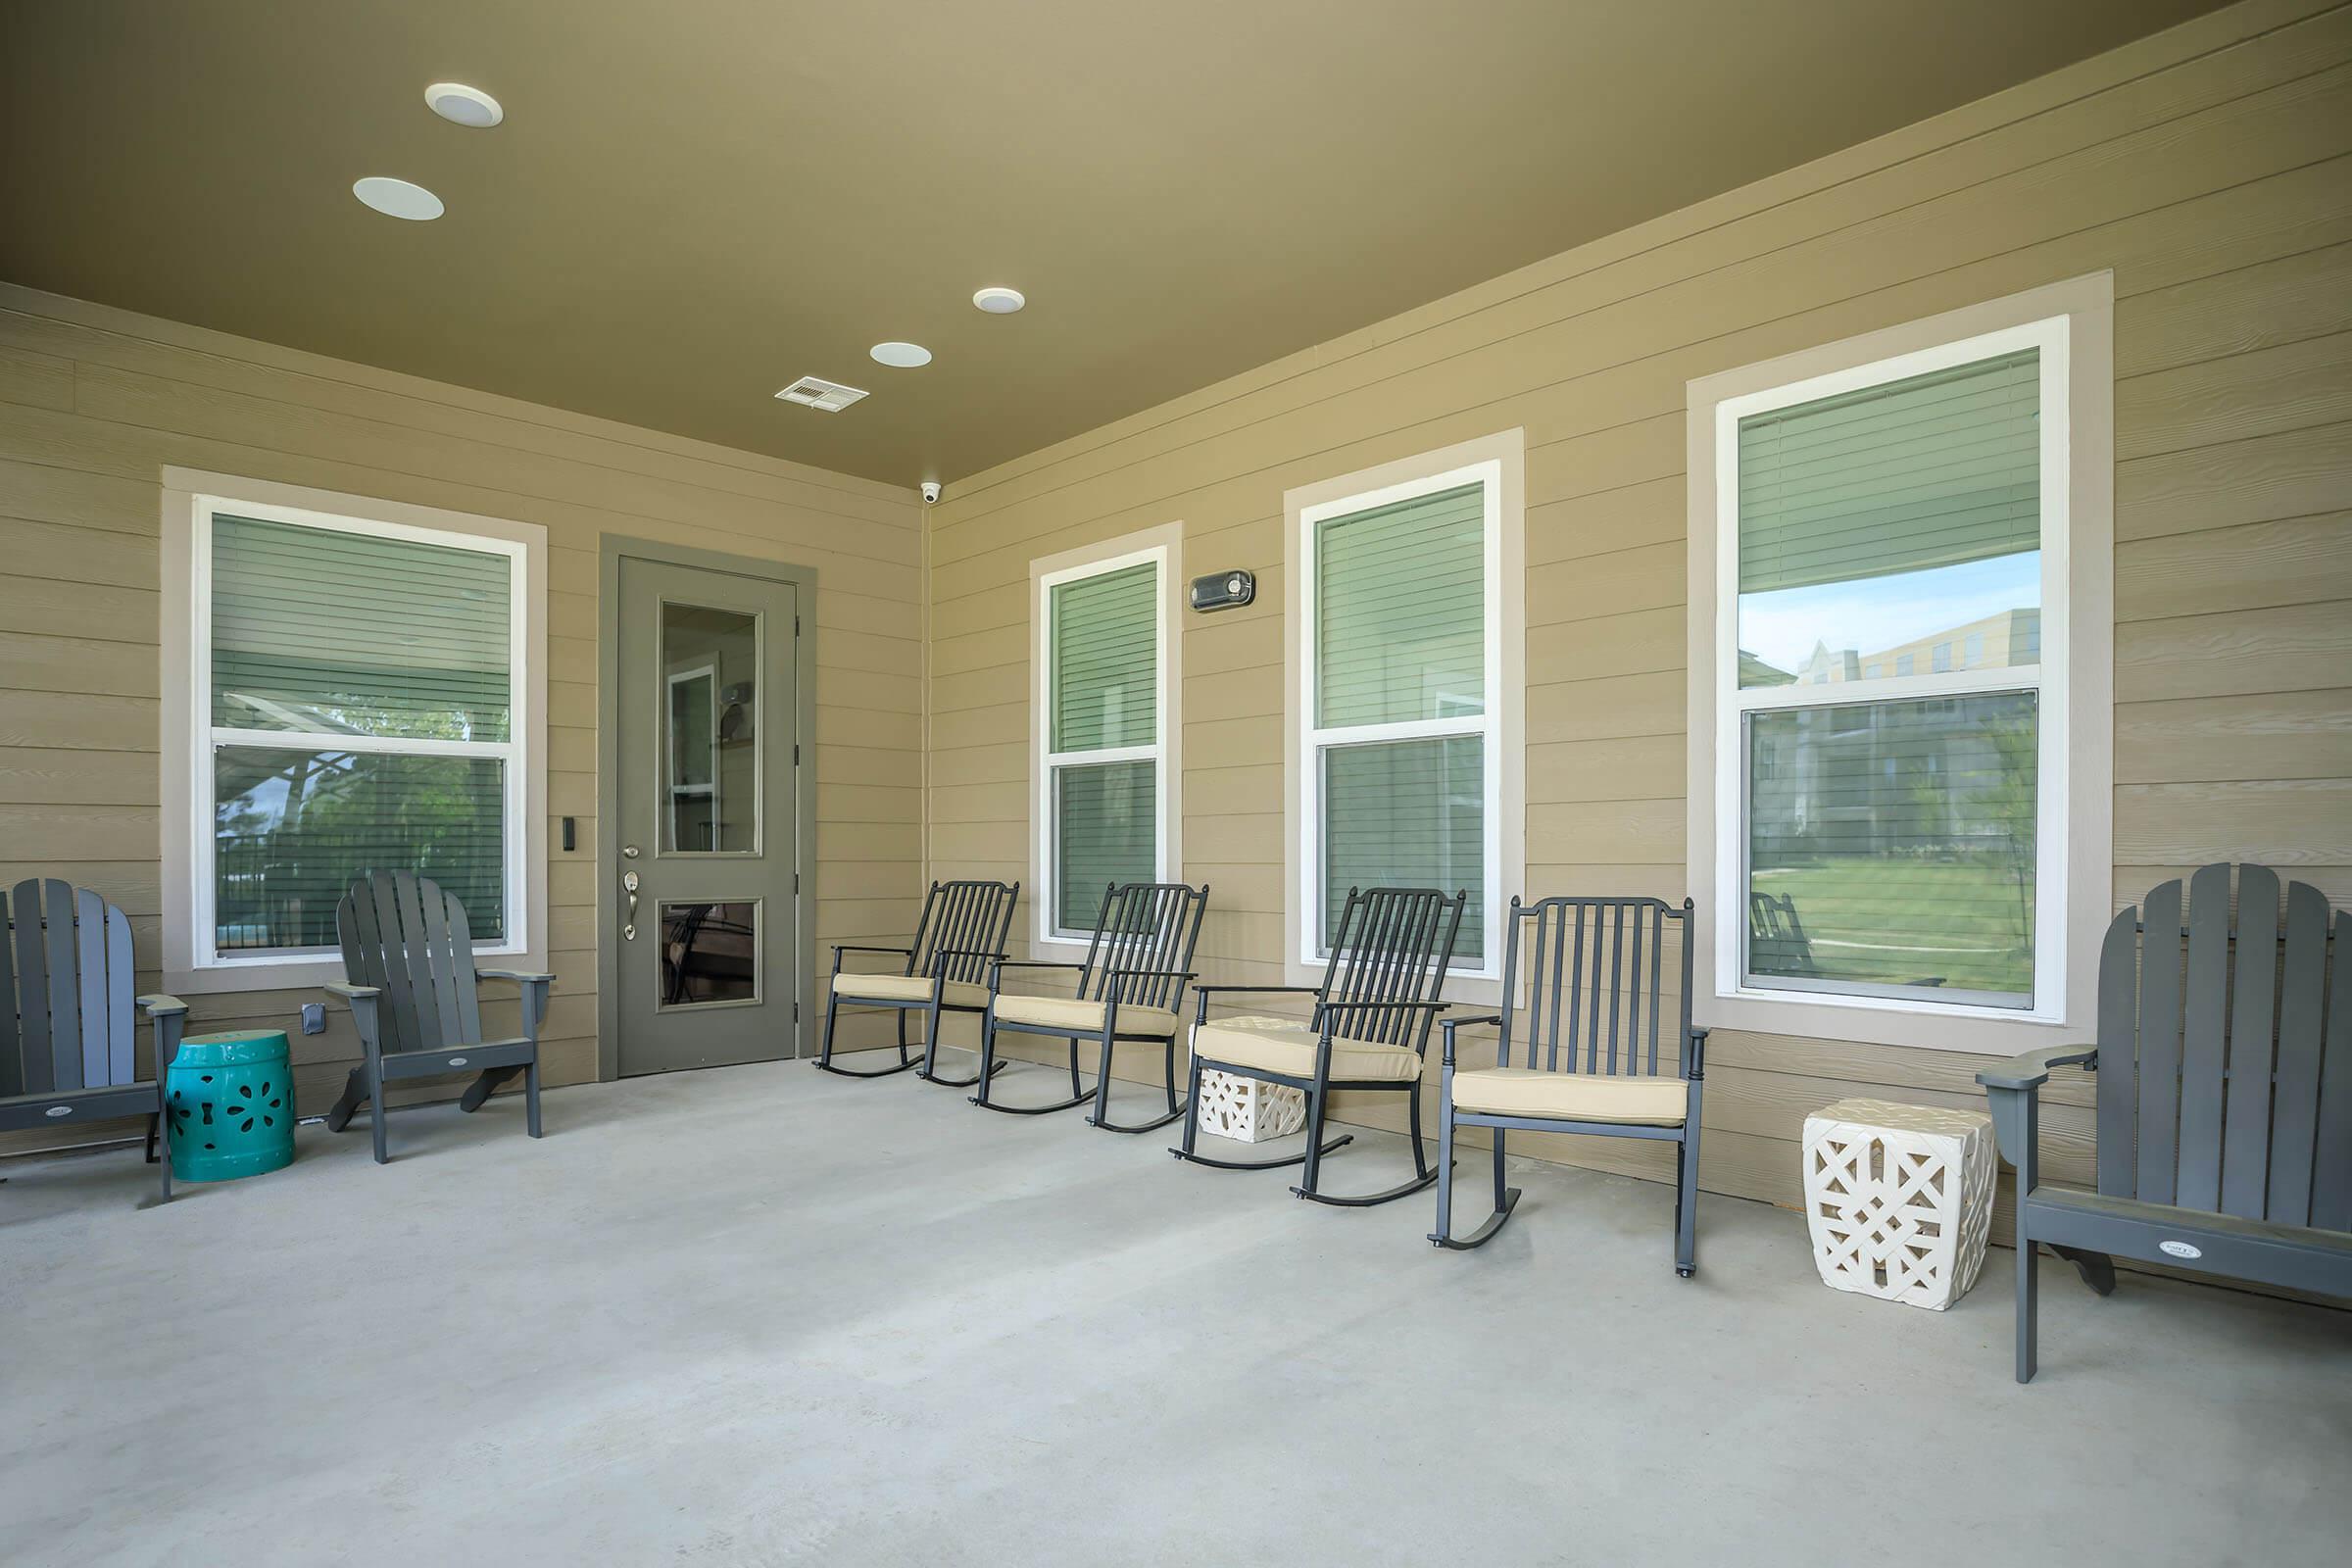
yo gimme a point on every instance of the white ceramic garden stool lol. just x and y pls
(1249, 1110)
(1900, 1199)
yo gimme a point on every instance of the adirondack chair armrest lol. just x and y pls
(534, 988)
(352, 993)
(2033, 1069)
(1452, 1025)
(165, 1014)
(1206, 991)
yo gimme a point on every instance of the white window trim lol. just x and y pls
(2072, 324)
(1162, 547)
(190, 499)
(1499, 464)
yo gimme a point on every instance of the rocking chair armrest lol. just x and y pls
(1450, 1025)
(840, 947)
(2031, 1069)
(998, 966)
(158, 1005)
(1119, 978)
(993, 954)
(1206, 991)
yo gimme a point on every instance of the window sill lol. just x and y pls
(1876, 1021)
(298, 974)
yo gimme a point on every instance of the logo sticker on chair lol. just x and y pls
(2180, 1248)
(457, 1062)
(58, 1110)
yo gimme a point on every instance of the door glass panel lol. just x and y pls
(711, 730)
(710, 953)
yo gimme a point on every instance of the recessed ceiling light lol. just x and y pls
(461, 105)
(905, 356)
(397, 198)
(1000, 301)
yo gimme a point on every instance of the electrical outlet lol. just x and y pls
(313, 1017)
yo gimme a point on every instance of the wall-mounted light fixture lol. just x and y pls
(1224, 590)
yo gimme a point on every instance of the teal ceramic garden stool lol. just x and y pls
(231, 1103)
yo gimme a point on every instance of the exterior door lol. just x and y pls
(705, 775)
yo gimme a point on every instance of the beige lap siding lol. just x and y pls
(2210, 167)
(94, 403)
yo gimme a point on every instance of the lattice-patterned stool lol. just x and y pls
(1900, 1199)
(1249, 1110)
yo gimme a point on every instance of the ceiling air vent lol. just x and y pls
(817, 393)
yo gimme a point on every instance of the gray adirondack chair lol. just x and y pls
(65, 1020)
(2225, 1098)
(408, 955)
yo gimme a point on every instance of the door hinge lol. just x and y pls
(796, 882)
(795, 1013)
(796, 754)
(796, 626)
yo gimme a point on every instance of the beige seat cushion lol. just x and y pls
(1286, 1046)
(1067, 1012)
(1573, 1095)
(906, 988)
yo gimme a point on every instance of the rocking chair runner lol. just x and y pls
(408, 953)
(66, 1023)
(1369, 1030)
(1613, 1011)
(946, 974)
(1129, 991)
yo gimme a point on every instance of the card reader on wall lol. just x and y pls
(1224, 590)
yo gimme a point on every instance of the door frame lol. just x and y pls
(802, 580)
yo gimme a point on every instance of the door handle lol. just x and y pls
(629, 927)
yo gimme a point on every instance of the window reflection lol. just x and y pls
(710, 953)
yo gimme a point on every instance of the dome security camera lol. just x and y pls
(930, 492)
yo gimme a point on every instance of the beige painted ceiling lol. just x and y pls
(693, 202)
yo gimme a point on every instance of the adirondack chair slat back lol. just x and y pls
(2224, 1071)
(1583, 985)
(67, 977)
(410, 940)
(961, 922)
(1391, 945)
(1144, 926)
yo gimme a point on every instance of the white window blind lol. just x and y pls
(1104, 754)
(360, 714)
(1401, 745)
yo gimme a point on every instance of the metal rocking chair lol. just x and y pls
(408, 951)
(1130, 990)
(1369, 1030)
(1613, 1012)
(944, 976)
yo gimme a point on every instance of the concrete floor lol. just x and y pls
(763, 1315)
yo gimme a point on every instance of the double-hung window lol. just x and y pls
(1104, 808)
(1400, 700)
(355, 702)
(1897, 841)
